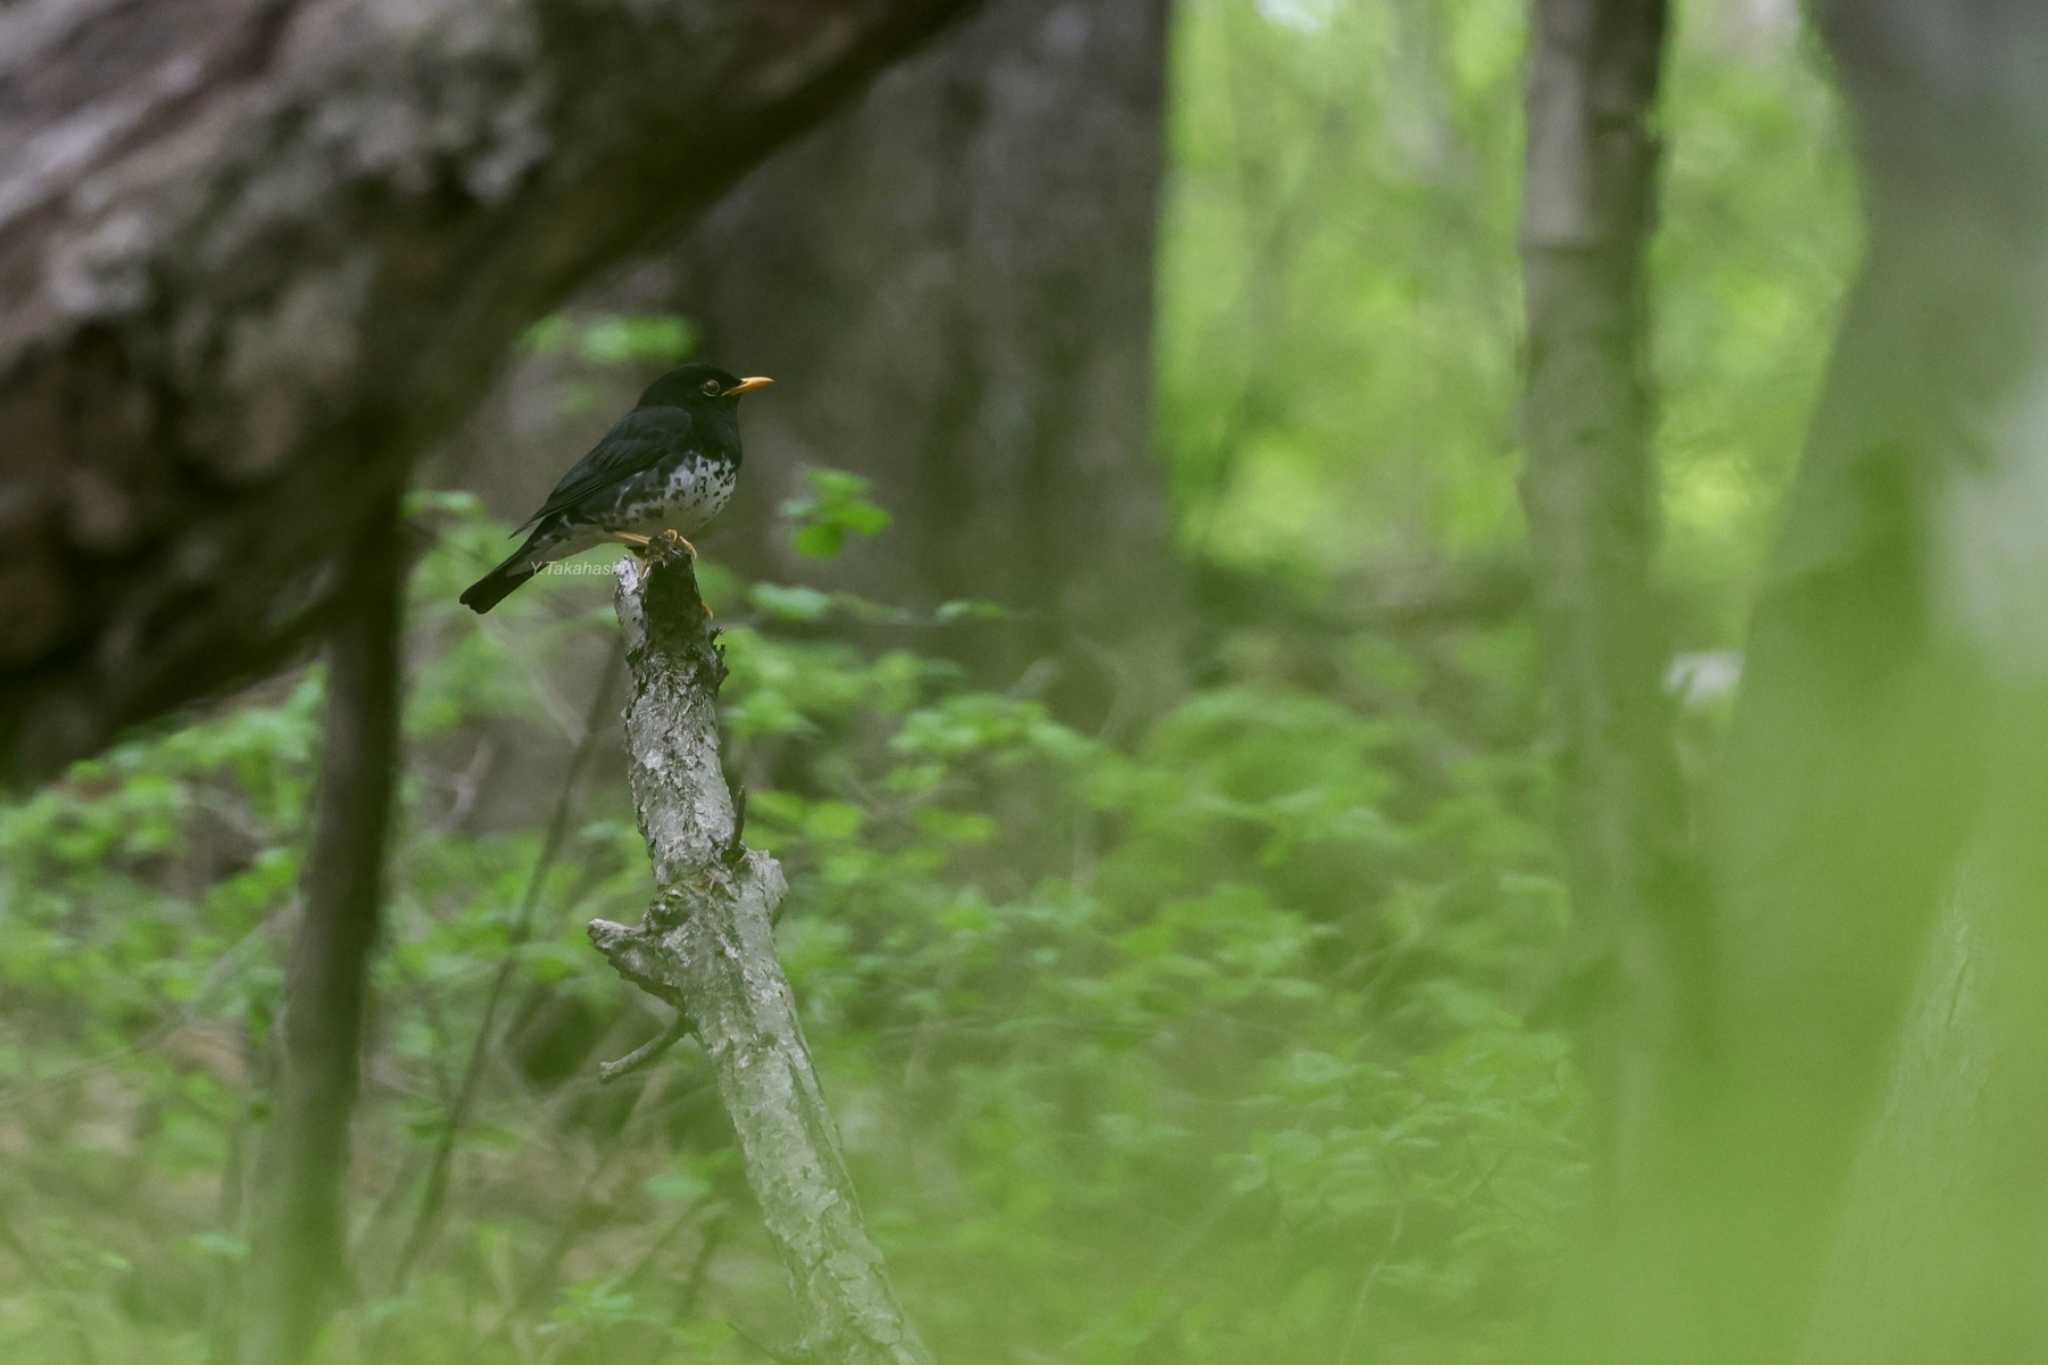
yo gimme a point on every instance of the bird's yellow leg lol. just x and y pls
(658, 547)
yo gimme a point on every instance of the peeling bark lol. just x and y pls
(255, 254)
(706, 946)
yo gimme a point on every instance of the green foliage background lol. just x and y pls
(1230, 1043)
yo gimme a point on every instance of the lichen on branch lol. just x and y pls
(707, 947)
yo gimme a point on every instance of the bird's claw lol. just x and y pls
(666, 545)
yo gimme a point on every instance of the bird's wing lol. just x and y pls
(641, 438)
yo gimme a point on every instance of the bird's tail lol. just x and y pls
(495, 586)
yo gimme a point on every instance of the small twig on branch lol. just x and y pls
(707, 947)
(737, 849)
(646, 1053)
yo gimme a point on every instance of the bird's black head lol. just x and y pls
(697, 387)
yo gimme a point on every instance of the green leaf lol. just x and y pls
(970, 609)
(836, 506)
(628, 338)
(224, 1245)
(790, 603)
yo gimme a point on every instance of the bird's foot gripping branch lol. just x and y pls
(707, 947)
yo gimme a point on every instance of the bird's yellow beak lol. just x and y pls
(748, 386)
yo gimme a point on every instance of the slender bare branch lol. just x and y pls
(647, 1054)
(299, 1265)
(428, 1216)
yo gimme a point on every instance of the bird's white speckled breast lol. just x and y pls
(682, 498)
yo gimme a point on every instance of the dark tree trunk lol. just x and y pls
(1590, 491)
(1888, 753)
(298, 1271)
(956, 282)
(255, 253)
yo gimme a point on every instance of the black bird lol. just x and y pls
(662, 474)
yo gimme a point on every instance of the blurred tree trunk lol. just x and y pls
(1935, 1193)
(255, 254)
(956, 281)
(298, 1270)
(1591, 497)
(1887, 759)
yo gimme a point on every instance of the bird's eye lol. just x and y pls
(712, 388)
